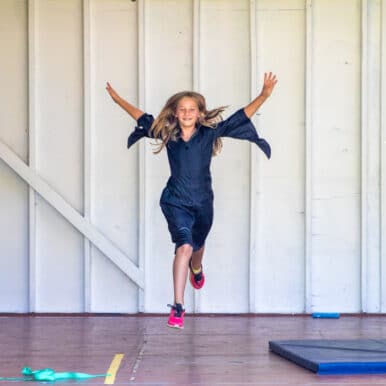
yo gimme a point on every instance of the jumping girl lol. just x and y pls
(191, 135)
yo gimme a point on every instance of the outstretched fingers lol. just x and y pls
(270, 78)
(111, 91)
(270, 81)
(108, 87)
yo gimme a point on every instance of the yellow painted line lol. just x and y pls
(112, 371)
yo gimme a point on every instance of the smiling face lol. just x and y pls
(187, 113)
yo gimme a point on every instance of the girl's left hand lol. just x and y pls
(269, 84)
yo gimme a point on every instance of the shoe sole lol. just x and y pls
(191, 276)
(175, 326)
(191, 279)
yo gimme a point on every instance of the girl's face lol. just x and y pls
(187, 113)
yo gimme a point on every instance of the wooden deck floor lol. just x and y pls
(211, 350)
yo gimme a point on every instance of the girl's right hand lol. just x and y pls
(112, 92)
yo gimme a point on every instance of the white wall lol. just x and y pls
(14, 220)
(302, 232)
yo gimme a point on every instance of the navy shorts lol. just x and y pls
(188, 224)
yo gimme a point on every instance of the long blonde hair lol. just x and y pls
(165, 126)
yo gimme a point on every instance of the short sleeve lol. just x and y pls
(239, 126)
(142, 129)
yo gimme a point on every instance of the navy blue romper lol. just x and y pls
(187, 199)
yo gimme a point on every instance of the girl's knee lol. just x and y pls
(200, 250)
(185, 250)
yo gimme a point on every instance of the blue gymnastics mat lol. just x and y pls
(326, 357)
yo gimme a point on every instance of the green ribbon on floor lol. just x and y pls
(12, 379)
(50, 375)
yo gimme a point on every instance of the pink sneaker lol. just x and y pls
(196, 280)
(176, 317)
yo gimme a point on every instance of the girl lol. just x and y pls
(191, 135)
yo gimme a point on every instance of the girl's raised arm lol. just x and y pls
(269, 83)
(129, 108)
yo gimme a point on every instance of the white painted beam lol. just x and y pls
(142, 217)
(254, 166)
(87, 150)
(372, 137)
(383, 159)
(196, 87)
(196, 45)
(364, 129)
(32, 127)
(308, 159)
(111, 251)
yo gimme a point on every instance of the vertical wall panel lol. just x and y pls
(373, 137)
(114, 175)
(14, 133)
(87, 122)
(280, 264)
(14, 60)
(168, 69)
(196, 43)
(143, 241)
(336, 157)
(32, 125)
(308, 106)
(254, 164)
(225, 62)
(383, 158)
(364, 161)
(59, 152)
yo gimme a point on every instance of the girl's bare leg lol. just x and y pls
(180, 271)
(197, 258)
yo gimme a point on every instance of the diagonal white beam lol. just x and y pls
(111, 251)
